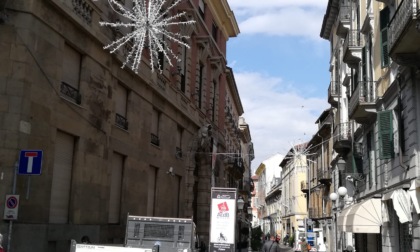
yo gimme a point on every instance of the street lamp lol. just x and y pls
(250, 229)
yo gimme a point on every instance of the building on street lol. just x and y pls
(114, 140)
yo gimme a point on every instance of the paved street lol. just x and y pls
(284, 248)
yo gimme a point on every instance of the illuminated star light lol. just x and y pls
(150, 23)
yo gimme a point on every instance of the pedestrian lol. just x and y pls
(304, 245)
(271, 245)
(85, 239)
(286, 239)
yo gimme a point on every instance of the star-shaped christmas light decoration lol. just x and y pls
(150, 23)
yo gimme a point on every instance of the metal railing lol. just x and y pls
(364, 93)
(121, 121)
(70, 92)
(406, 10)
(323, 174)
(154, 139)
(342, 131)
(353, 39)
(334, 88)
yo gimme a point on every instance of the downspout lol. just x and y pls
(400, 129)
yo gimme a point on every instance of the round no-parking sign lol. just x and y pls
(11, 206)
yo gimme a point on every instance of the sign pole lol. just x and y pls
(9, 236)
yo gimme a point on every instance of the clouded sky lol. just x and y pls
(281, 66)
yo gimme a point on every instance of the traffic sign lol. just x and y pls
(11, 207)
(30, 162)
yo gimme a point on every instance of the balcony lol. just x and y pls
(362, 107)
(235, 166)
(154, 139)
(70, 92)
(304, 186)
(404, 34)
(315, 212)
(333, 93)
(343, 21)
(342, 138)
(324, 177)
(353, 45)
(121, 121)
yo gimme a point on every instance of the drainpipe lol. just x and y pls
(400, 129)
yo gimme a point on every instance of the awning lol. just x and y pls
(401, 204)
(364, 217)
(414, 193)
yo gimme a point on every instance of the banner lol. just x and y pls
(223, 219)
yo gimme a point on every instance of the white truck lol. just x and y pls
(151, 234)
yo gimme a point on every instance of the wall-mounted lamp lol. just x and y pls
(171, 171)
(240, 204)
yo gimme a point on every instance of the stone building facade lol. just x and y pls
(113, 141)
(374, 69)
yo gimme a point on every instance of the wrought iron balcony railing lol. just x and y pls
(352, 47)
(333, 92)
(121, 121)
(342, 137)
(154, 139)
(404, 18)
(70, 92)
(362, 101)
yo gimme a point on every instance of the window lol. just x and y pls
(161, 56)
(200, 85)
(178, 150)
(71, 74)
(115, 188)
(201, 8)
(121, 107)
(213, 102)
(155, 128)
(214, 32)
(385, 134)
(384, 20)
(61, 180)
(183, 68)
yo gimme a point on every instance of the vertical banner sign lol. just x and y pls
(222, 219)
(11, 207)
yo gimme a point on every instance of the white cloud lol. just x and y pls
(269, 4)
(280, 17)
(285, 22)
(278, 115)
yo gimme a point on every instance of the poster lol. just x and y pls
(222, 219)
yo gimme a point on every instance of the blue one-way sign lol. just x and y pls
(30, 162)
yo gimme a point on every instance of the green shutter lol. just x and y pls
(385, 135)
(384, 20)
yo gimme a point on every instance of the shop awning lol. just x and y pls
(364, 217)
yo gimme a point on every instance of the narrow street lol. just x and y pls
(284, 248)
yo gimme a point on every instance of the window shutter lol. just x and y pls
(71, 67)
(155, 122)
(121, 101)
(385, 134)
(61, 181)
(115, 188)
(384, 20)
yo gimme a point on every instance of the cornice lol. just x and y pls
(224, 17)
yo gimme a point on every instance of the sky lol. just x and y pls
(281, 69)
